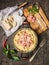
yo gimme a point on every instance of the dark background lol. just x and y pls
(42, 57)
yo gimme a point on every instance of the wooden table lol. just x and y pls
(42, 57)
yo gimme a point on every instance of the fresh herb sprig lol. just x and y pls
(10, 53)
(33, 10)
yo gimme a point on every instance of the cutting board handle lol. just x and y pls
(22, 5)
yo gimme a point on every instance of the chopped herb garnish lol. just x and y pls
(33, 10)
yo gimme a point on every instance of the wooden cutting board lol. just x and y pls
(42, 24)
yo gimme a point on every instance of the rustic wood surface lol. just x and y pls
(42, 57)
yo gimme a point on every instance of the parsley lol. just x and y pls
(33, 10)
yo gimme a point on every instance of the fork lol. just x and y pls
(40, 46)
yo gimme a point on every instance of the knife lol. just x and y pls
(40, 46)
